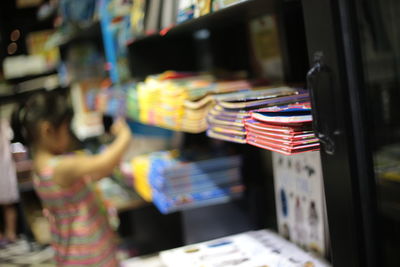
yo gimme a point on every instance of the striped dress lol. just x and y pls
(81, 234)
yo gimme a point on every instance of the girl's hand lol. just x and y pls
(120, 126)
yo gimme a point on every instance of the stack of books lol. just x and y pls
(174, 184)
(285, 129)
(179, 101)
(195, 114)
(161, 101)
(193, 184)
(226, 121)
(196, 111)
(132, 103)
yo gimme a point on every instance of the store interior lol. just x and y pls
(224, 166)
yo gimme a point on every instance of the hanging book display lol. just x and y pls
(285, 129)
(173, 184)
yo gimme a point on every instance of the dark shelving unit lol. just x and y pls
(227, 47)
(228, 43)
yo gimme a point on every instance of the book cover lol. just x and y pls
(185, 10)
(214, 121)
(203, 165)
(280, 136)
(169, 13)
(280, 150)
(198, 182)
(265, 48)
(286, 114)
(138, 16)
(259, 98)
(285, 142)
(229, 130)
(283, 129)
(288, 148)
(221, 4)
(201, 103)
(167, 204)
(152, 17)
(226, 137)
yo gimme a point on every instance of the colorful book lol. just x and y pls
(286, 130)
(168, 204)
(185, 10)
(138, 17)
(269, 97)
(169, 13)
(287, 114)
(152, 18)
(281, 150)
(221, 4)
(226, 137)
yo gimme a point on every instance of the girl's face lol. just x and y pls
(62, 138)
(56, 140)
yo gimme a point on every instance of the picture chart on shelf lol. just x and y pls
(173, 183)
(248, 249)
(300, 200)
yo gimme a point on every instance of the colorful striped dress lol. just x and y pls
(81, 233)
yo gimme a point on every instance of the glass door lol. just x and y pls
(354, 80)
(378, 24)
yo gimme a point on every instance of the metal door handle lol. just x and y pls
(319, 80)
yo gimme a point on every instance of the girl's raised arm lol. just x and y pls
(96, 166)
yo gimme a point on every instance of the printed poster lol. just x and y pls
(300, 200)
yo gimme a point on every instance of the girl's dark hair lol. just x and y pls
(53, 107)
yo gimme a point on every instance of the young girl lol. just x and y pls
(80, 230)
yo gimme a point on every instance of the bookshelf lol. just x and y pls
(228, 43)
(228, 46)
